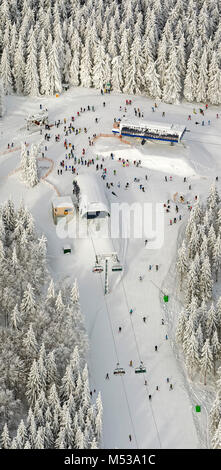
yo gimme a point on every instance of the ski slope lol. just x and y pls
(168, 420)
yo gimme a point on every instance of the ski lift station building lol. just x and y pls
(61, 207)
(149, 130)
(92, 201)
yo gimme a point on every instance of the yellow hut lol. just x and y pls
(61, 207)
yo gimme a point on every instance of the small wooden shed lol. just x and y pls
(61, 207)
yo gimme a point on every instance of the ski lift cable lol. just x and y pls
(152, 412)
(116, 352)
(138, 352)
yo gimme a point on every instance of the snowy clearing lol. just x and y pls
(169, 419)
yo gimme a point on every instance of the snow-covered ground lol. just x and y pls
(169, 419)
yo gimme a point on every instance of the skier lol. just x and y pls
(165, 178)
(145, 242)
(217, 178)
(131, 311)
(168, 379)
(107, 376)
(144, 319)
(145, 382)
(155, 348)
(157, 388)
(163, 114)
(184, 179)
(162, 321)
(150, 266)
(119, 329)
(171, 387)
(131, 363)
(150, 397)
(166, 337)
(189, 187)
(157, 267)
(104, 104)
(140, 278)
(130, 437)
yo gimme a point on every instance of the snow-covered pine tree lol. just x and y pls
(86, 65)
(216, 255)
(206, 363)
(206, 281)
(2, 99)
(190, 82)
(5, 71)
(192, 358)
(172, 87)
(99, 66)
(31, 86)
(33, 384)
(5, 438)
(32, 171)
(30, 344)
(202, 85)
(44, 78)
(152, 79)
(134, 75)
(214, 84)
(181, 325)
(54, 71)
(117, 75)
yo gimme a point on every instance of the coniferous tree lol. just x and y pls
(31, 86)
(172, 87)
(190, 82)
(2, 99)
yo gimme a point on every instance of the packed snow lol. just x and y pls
(168, 419)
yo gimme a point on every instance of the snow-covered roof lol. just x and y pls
(39, 116)
(164, 128)
(92, 195)
(63, 201)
